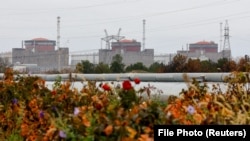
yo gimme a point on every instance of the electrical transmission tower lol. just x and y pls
(108, 38)
(226, 45)
(226, 37)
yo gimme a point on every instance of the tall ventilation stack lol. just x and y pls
(221, 36)
(58, 44)
(58, 32)
(143, 38)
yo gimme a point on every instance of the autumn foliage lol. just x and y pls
(30, 111)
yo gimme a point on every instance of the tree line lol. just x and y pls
(180, 63)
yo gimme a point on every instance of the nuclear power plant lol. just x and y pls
(46, 55)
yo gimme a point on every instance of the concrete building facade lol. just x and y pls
(6, 56)
(204, 46)
(130, 51)
(40, 44)
(91, 57)
(205, 50)
(41, 51)
(164, 58)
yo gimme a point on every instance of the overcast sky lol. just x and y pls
(170, 24)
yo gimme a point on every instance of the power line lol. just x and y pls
(196, 23)
(150, 15)
(190, 8)
(170, 27)
(184, 25)
(46, 10)
(122, 19)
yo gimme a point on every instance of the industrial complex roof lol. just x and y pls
(39, 39)
(127, 40)
(205, 42)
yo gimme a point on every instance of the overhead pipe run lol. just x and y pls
(144, 77)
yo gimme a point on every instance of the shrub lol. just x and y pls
(31, 111)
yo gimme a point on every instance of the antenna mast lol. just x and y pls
(143, 38)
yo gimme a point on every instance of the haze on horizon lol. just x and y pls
(170, 25)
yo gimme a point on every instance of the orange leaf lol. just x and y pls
(145, 137)
(135, 110)
(147, 130)
(126, 139)
(108, 130)
(95, 98)
(117, 122)
(143, 105)
(85, 121)
(131, 131)
(138, 119)
(24, 129)
(50, 132)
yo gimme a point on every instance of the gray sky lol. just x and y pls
(170, 24)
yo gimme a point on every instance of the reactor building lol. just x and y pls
(129, 50)
(205, 50)
(41, 52)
